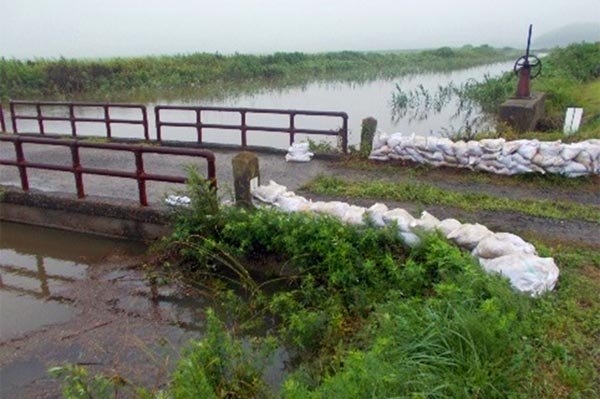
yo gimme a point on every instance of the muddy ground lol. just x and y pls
(121, 327)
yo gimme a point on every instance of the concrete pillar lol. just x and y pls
(246, 176)
(523, 114)
(369, 127)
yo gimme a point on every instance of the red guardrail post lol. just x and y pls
(344, 133)
(38, 110)
(244, 128)
(140, 175)
(13, 117)
(72, 120)
(21, 164)
(107, 121)
(292, 127)
(199, 124)
(145, 122)
(2, 123)
(77, 170)
(157, 123)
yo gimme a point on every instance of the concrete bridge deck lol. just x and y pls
(272, 166)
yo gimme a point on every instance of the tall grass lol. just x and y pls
(67, 77)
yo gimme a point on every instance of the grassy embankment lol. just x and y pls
(570, 77)
(428, 194)
(147, 78)
(364, 316)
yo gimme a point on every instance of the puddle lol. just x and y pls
(76, 298)
(36, 264)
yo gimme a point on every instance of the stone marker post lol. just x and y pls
(369, 126)
(246, 176)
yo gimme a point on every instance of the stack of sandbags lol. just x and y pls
(298, 152)
(502, 253)
(491, 155)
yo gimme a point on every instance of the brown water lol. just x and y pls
(359, 100)
(81, 299)
(36, 264)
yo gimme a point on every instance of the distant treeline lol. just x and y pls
(67, 77)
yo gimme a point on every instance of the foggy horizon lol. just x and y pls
(107, 29)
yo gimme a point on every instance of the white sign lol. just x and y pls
(572, 120)
(253, 184)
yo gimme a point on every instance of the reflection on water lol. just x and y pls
(359, 100)
(35, 265)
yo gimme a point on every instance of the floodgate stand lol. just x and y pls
(524, 111)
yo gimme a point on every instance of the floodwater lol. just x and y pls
(81, 299)
(35, 265)
(358, 100)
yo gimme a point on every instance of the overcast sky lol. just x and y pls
(101, 28)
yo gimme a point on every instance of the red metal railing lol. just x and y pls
(78, 170)
(2, 123)
(71, 107)
(243, 127)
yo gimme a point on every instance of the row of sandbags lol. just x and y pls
(503, 253)
(491, 155)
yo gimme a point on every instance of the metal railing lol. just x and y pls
(243, 127)
(78, 170)
(2, 123)
(71, 107)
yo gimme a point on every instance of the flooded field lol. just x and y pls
(359, 100)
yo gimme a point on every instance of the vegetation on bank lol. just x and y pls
(69, 77)
(428, 194)
(570, 77)
(362, 315)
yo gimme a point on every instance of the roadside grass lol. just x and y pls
(366, 316)
(427, 194)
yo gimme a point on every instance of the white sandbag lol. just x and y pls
(492, 145)
(447, 226)
(500, 244)
(400, 217)
(178, 200)
(395, 139)
(570, 151)
(302, 146)
(354, 215)
(383, 150)
(446, 146)
(529, 149)
(375, 214)
(574, 169)
(474, 148)
(511, 147)
(379, 157)
(298, 152)
(426, 222)
(334, 208)
(550, 148)
(410, 239)
(292, 203)
(268, 193)
(379, 140)
(468, 235)
(527, 273)
(420, 143)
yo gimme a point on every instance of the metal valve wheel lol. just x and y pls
(533, 62)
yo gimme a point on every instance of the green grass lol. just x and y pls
(427, 194)
(197, 72)
(365, 316)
